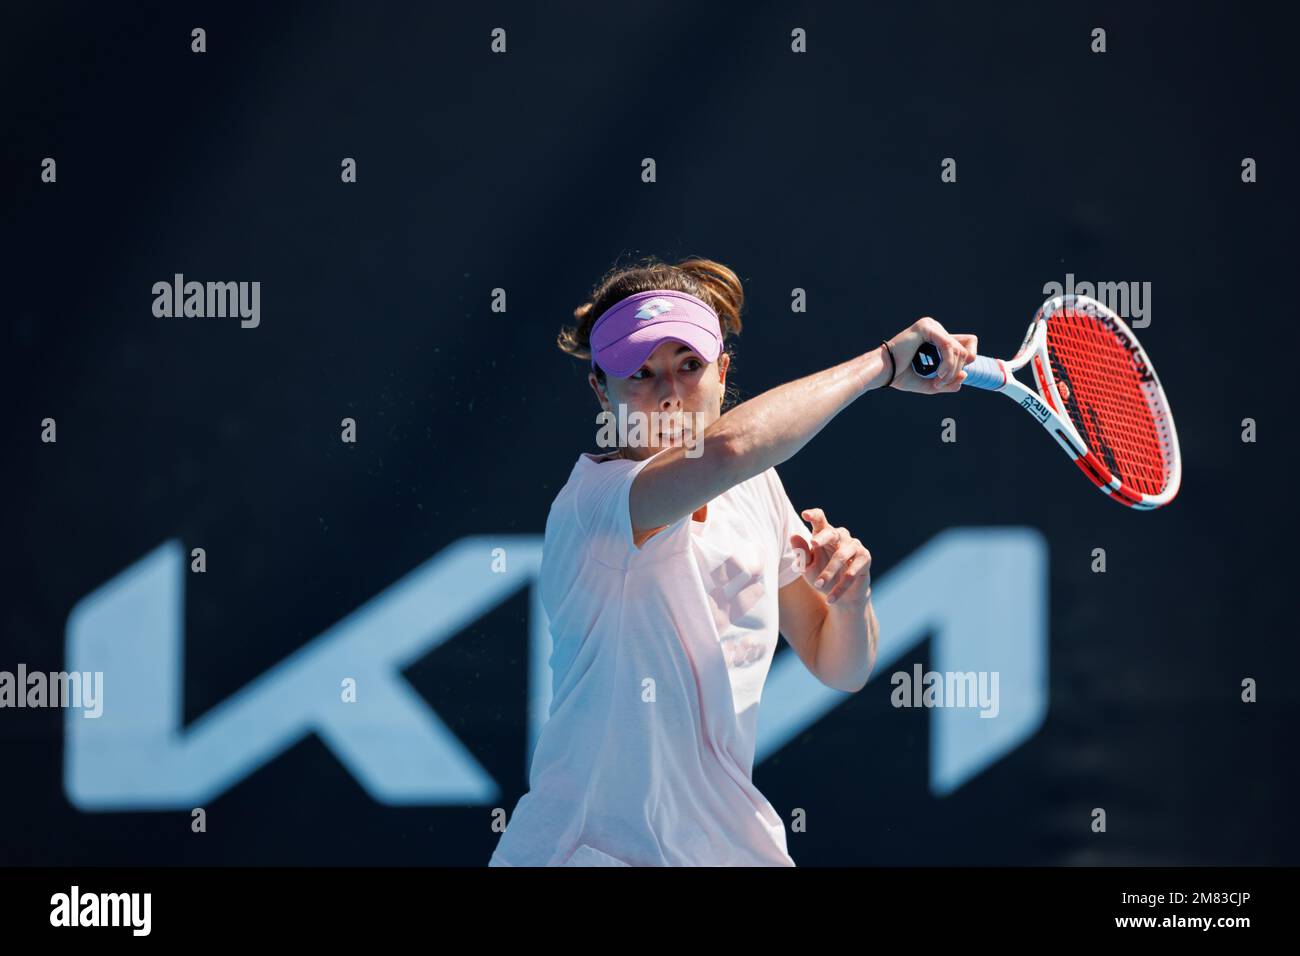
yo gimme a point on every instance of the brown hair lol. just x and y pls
(705, 279)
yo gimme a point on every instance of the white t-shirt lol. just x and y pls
(658, 663)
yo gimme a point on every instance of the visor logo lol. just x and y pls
(653, 309)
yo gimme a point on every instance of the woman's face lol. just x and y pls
(673, 388)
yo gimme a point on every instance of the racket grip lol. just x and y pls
(984, 372)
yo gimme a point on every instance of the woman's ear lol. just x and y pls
(602, 392)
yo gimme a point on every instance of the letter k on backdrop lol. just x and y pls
(981, 593)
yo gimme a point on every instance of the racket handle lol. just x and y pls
(984, 372)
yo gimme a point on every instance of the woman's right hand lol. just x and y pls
(956, 351)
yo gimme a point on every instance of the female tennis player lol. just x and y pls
(671, 563)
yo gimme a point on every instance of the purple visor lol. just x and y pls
(623, 338)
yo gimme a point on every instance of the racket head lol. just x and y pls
(1094, 374)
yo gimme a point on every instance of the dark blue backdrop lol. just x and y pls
(522, 172)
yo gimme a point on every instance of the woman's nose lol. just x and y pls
(670, 402)
(669, 398)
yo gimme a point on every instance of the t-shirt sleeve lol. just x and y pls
(793, 561)
(603, 505)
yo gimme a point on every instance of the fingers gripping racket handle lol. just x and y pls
(984, 372)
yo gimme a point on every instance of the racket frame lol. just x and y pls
(1045, 405)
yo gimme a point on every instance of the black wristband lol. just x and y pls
(893, 365)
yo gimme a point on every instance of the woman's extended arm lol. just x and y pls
(773, 426)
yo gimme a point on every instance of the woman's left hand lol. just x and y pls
(839, 565)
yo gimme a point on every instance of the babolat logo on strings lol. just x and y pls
(1038, 409)
(1130, 345)
(653, 309)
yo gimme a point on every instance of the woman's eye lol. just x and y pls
(690, 365)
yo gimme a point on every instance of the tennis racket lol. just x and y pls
(1098, 396)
